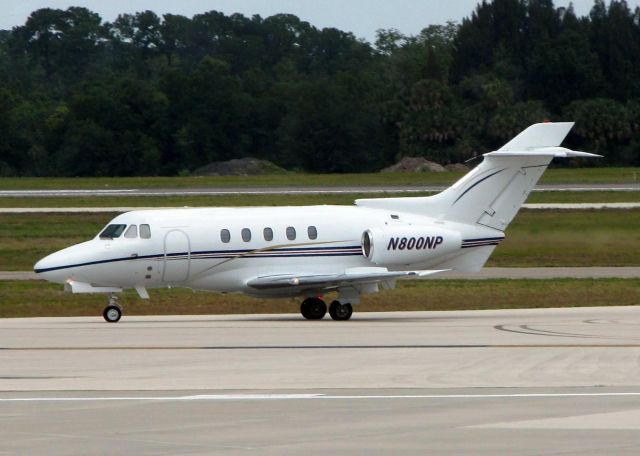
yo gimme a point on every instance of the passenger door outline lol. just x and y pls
(175, 270)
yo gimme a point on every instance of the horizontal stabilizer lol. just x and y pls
(559, 152)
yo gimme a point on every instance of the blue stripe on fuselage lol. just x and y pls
(226, 254)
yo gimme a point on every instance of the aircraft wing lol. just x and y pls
(325, 281)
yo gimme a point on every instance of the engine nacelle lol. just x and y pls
(408, 244)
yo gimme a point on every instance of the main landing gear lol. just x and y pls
(313, 309)
(339, 311)
(316, 309)
(113, 312)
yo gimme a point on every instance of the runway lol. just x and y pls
(543, 381)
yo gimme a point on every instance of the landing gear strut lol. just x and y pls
(313, 309)
(340, 311)
(113, 312)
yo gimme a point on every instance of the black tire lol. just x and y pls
(313, 309)
(112, 314)
(339, 311)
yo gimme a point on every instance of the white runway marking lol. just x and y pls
(581, 206)
(287, 397)
(65, 192)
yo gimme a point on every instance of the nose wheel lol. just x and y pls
(113, 312)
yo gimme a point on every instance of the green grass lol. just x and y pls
(270, 180)
(535, 238)
(584, 197)
(25, 239)
(280, 200)
(192, 201)
(552, 176)
(613, 175)
(571, 238)
(34, 298)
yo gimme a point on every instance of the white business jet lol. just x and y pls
(309, 251)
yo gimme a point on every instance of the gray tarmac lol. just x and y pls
(539, 381)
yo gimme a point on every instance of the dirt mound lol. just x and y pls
(247, 166)
(414, 165)
(457, 167)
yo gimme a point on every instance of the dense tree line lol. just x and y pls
(149, 95)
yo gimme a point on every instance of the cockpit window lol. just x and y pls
(145, 231)
(112, 231)
(132, 232)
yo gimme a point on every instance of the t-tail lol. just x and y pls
(491, 194)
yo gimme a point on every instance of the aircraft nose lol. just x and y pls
(49, 268)
(66, 263)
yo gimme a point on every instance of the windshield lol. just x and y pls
(112, 231)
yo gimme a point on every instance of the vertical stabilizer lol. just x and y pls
(492, 193)
(539, 135)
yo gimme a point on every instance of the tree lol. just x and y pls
(137, 39)
(429, 119)
(563, 70)
(603, 124)
(206, 112)
(327, 129)
(63, 42)
(494, 33)
(113, 128)
(164, 95)
(174, 36)
(389, 41)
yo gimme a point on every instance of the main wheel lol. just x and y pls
(112, 313)
(313, 309)
(339, 311)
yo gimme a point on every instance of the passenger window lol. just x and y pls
(246, 234)
(312, 232)
(132, 232)
(225, 236)
(291, 233)
(268, 234)
(145, 231)
(112, 231)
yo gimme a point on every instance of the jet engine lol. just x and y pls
(408, 244)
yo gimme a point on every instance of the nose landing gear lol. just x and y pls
(113, 312)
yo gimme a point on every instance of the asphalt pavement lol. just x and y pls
(527, 382)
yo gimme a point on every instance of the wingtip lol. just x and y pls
(431, 272)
